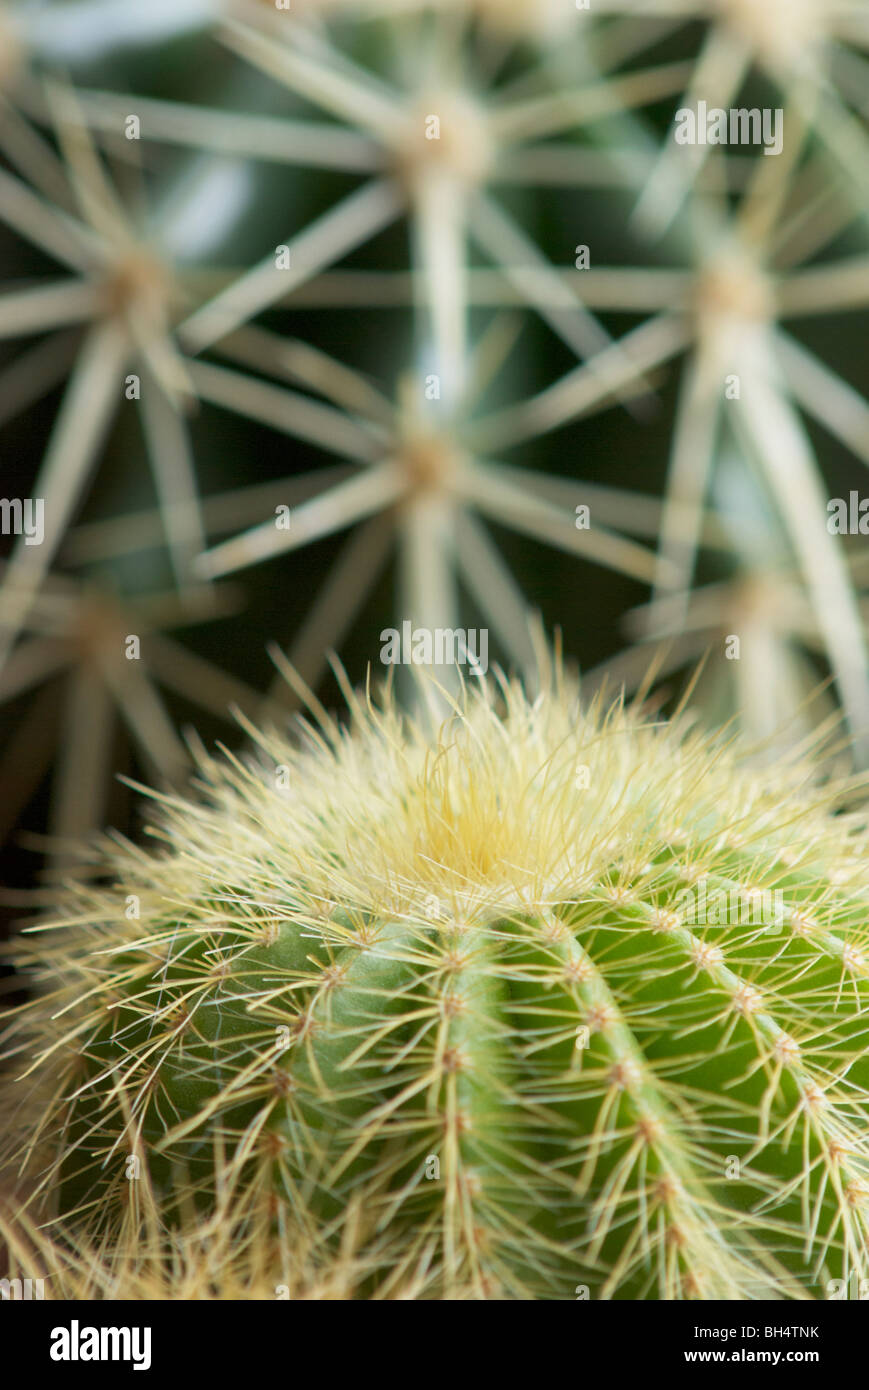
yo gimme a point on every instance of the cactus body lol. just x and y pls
(550, 1002)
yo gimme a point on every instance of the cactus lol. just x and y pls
(504, 316)
(483, 1010)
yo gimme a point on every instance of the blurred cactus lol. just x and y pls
(452, 114)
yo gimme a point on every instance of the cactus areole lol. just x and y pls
(545, 999)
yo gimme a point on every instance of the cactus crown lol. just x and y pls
(491, 1005)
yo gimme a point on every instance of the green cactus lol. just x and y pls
(437, 1003)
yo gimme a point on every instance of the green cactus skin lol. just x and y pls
(436, 996)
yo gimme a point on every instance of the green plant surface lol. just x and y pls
(437, 996)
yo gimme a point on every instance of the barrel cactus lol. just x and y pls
(542, 1001)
